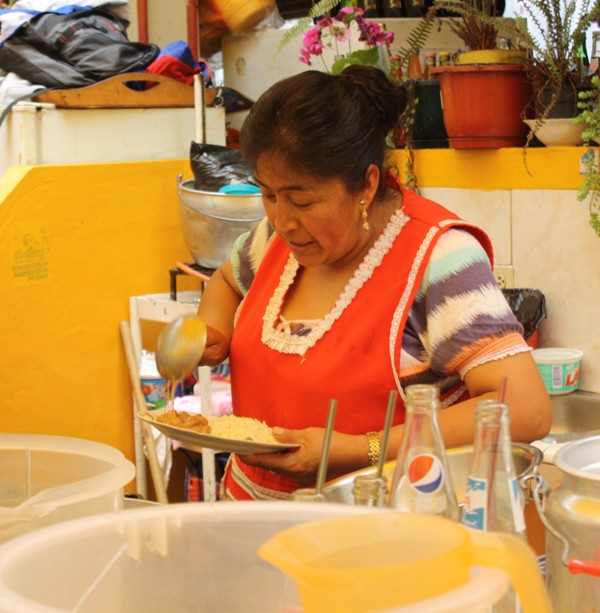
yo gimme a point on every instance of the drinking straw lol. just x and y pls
(490, 495)
(386, 431)
(325, 455)
(502, 392)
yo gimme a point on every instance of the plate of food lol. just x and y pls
(228, 433)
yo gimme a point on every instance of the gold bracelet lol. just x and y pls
(374, 448)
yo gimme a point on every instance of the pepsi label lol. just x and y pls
(475, 504)
(425, 474)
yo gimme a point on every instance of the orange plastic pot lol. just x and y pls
(484, 105)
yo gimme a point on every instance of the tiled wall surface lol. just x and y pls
(546, 237)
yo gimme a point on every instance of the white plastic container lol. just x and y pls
(49, 479)
(194, 557)
(559, 368)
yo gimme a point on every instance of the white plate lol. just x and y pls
(209, 441)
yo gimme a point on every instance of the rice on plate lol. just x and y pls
(240, 428)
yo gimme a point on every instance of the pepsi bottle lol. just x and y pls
(493, 500)
(422, 481)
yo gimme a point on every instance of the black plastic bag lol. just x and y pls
(529, 307)
(215, 166)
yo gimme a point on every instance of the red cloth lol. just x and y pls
(350, 363)
(174, 68)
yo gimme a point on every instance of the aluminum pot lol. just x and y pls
(212, 221)
(525, 457)
(570, 511)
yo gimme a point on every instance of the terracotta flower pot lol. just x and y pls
(484, 105)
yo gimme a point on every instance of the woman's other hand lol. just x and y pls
(347, 453)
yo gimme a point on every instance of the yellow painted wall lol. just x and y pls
(490, 169)
(77, 242)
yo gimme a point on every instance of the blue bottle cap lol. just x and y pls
(240, 188)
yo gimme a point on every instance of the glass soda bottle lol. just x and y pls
(393, 8)
(422, 481)
(369, 490)
(493, 499)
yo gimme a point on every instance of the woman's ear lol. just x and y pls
(371, 183)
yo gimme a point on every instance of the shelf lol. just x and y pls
(491, 169)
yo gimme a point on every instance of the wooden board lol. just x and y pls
(113, 93)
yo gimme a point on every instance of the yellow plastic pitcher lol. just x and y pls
(373, 562)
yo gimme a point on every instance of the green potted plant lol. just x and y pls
(321, 31)
(421, 125)
(589, 117)
(552, 65)
(485, 93)
(477, 24)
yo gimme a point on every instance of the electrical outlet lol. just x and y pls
(505, 276)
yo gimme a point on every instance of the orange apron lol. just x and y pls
(356, 362)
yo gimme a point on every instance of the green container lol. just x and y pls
(559, 368)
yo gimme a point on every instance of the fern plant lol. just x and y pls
(319, 9)
(477, 25)
(561, 26)
(415, 42)
(589, 115)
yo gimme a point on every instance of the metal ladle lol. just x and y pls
(180, 347)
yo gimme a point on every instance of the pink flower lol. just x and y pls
(305, 57)
(329, 31)
(350, 13)
(312, 37)
(373, 34)
(340, 32)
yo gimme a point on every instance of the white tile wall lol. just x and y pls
(546, 236)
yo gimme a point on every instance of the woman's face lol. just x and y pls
(318, 219)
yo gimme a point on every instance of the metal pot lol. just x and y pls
(212, 221)
(571, 514)
(525, 457)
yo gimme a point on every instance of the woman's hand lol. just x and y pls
(217, 348)
(347, 453)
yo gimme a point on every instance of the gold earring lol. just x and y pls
(365, 221)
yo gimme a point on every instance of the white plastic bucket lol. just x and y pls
(193, 557)
(559, 368)
(49, 479)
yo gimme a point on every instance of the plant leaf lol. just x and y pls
(365, 57)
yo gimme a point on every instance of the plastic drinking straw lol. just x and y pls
(386, 431)
(502, 392)
(325, 455)
(492, 470)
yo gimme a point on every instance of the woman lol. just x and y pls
(353, 287)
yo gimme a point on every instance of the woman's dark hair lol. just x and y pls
(329, 126)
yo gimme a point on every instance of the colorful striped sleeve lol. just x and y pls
(247, 253)
(460, 315)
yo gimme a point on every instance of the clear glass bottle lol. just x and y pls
(369, 490)
(422, 481)
(307, 494)
(370, 8)
(493, 500)
(393, 8)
